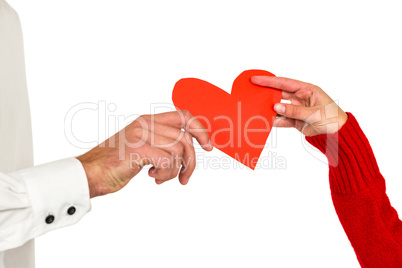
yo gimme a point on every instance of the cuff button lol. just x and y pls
(49, 219)
(71, 211)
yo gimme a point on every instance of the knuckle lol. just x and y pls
(168, 174)
(311, 88)
(135, 124)
(143, 116)
(173, 175)
(178, 149)
(165, 176)
(308, 91)
(185, 112)
(187, 138)
(187, 118)
(294, 111)
(137, 132)
(143, 120)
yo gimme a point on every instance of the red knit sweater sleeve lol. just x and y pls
(358, 193)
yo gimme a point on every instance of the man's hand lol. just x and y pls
(311, 111)
(162, 140)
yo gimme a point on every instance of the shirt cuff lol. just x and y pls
(58, 193)
(352, 164)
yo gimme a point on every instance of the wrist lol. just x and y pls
(342, 119)
(333, 121)
(90, 172)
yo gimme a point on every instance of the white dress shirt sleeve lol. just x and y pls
(36, 200)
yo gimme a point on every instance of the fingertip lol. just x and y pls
(185, 174)
(280, 108)
(159, 181)
(256, 79)
(152, 172)
(208, 147)
(183, 181)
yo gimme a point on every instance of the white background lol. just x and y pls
(131, 53)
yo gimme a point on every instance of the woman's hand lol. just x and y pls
(311, 111)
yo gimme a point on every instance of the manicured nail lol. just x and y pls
(279, 108)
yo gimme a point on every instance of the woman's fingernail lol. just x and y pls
(279, 108)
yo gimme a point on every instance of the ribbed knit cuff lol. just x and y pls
(352, 165)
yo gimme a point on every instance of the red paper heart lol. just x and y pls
(238, 123)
